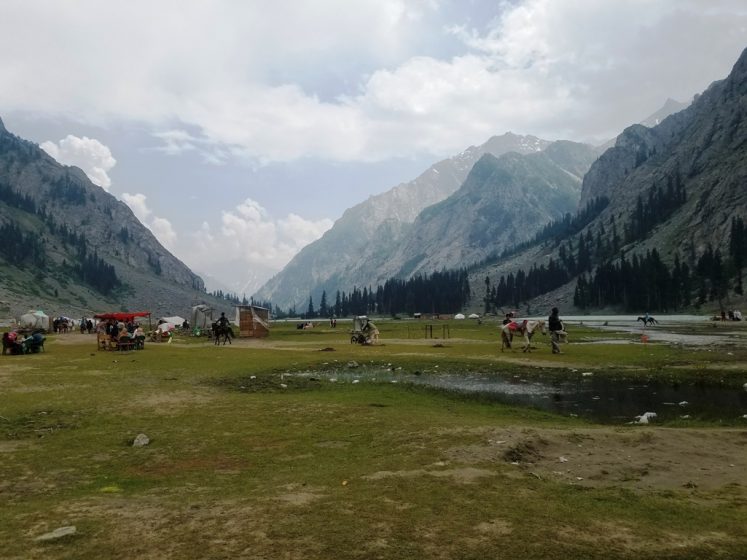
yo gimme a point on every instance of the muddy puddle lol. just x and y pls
(599, 398)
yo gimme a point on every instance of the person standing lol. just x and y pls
(555, 326)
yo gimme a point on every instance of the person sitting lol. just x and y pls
(139, 337)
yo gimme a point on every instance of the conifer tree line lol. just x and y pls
(446, 291)
(20, 248)
(96, 272)
(637, 282)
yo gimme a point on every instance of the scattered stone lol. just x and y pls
(141, 440)
(684, 403)
(283, 386)
(562, 459)
(57, 534)
(587, 373)
(356, 380)
(353, 364)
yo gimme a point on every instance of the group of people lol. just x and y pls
(15, 343)
(512, 327)
(129, 333)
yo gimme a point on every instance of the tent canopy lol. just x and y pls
(459, 316)
(176, 320)
(122, 316)
(202, 316)
(34, 320)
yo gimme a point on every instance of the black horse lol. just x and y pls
(648, 321)
(222, 331)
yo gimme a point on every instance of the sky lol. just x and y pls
(238, 131)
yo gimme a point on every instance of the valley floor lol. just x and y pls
(305, 446)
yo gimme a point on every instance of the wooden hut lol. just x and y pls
(254, 321)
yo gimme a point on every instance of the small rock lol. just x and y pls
(562, 459)
(684, 403)
(57, 534)
(141, 440)
(587, 373)
(353, 364)
(356, 380)
(283, 386)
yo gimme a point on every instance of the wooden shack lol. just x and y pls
(254, 321)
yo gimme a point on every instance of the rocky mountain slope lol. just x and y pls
(503, 202)
(701, 150)
(363, 239)
(71, 248)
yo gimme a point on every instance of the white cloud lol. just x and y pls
(160, 227)
(287, 80)
(137, 203)
(250, 243)
(93, 157)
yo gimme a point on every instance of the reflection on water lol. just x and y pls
(599, 398)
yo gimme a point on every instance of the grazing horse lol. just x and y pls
(525, 329)
(221, 331)
(648, 321)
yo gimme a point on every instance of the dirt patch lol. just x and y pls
(635, 457)
(621, 537)
(462, 475)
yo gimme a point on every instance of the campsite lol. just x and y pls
(300, 444)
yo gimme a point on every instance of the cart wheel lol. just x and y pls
(353, 339)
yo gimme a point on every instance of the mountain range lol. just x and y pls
(677, 189)
(384, 236)
(71, 248)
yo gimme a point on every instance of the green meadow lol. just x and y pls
(255, 452)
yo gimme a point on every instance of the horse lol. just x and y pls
(648, 321)
(525, 328)
(225, 331)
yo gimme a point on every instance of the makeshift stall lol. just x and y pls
(129, 341)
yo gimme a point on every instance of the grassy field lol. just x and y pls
(248, 460)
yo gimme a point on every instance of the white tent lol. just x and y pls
(175, 320)
(202, 316)
(474, 316)
(459, 316)
(34, 320)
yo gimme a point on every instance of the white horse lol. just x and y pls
(525, 328)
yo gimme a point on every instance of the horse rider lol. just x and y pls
(222, 321)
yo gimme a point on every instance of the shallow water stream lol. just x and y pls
(600, 398)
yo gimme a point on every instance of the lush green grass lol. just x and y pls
(323, 470)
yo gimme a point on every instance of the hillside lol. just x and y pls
(71, 248)
(676, 192)
(361, 242)
(503, 202)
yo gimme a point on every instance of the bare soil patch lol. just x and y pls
(636, 457)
